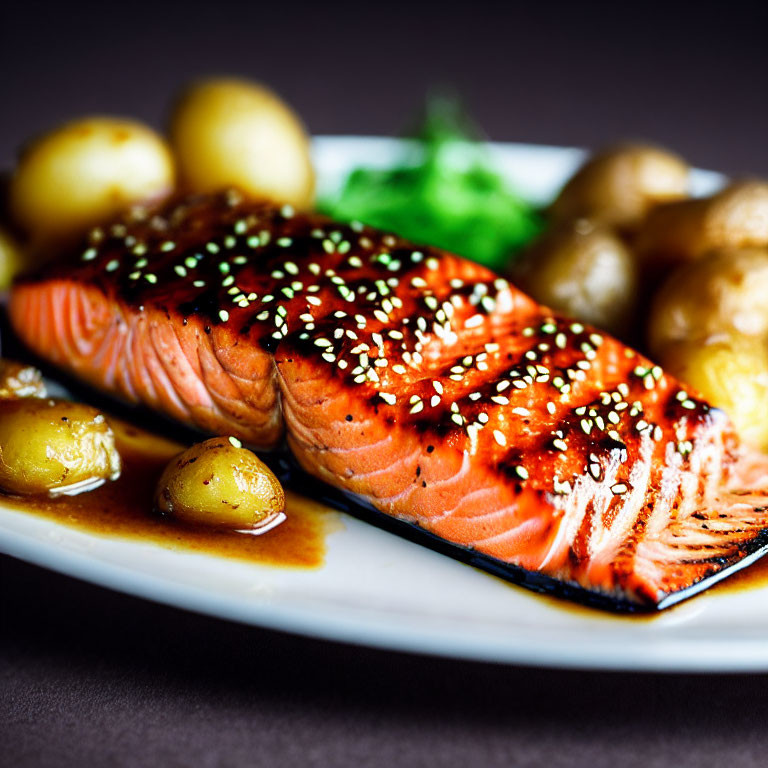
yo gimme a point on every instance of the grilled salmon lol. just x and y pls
(415, 380)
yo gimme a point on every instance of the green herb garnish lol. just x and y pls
(443, 192)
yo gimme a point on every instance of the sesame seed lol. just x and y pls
(561, 487)
(235, 442)
(499, 437)
(224, 315)
(488, 304)
(388, 398)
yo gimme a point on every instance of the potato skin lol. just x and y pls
(220, 484)
(20, 380)
(53, 446)
(85, 172)
(583, 270)
(619, 186)
(722, 294)
(736, 217)
(233, 133)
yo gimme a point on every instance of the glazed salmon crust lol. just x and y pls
(416, 380)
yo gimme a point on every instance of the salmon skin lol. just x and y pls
(415, 382)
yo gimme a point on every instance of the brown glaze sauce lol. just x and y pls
(753, 576)
(123, 509)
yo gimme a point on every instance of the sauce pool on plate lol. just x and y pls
(123, 508)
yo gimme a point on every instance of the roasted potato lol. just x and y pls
(232, 133)
(220, 484)
(736, 217)
(87, 171)
(619, 186)
(721, 294)
(54, 447)
(709, 326)
(11, 259)
(583, 270)
(731, 372)
(20, 380)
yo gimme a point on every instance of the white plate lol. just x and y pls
(380, 590)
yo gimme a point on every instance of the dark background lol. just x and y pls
(691, 76)
(88, 677)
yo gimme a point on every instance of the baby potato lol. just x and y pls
(11, 259)
(582, 270)
(20, 380)
(85, 172)
(619, 186)
(220, 484)
(233, 133)
(736, 217)
(54, 447)
(723, 293)
(731, 372)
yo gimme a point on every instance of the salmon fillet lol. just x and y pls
(415, 380)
